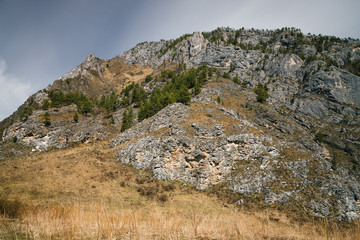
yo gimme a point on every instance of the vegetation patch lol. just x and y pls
(261, 93)
(176, 89)
(172, 44)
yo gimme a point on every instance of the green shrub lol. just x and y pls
(76, 117)
(148, 78)
(176, 89)
(248, 106)
(172, 44)
(319, 137)
(46, 118)
(310, 58)
(262, 93)
(236, 79)
(183, 95)
(85, 106)
(45, 104)
(28, 110)
(197, 88)
(132, 93)
(58, 99)
(112, 120)
(244, 84)
(218, 99)
(226, 75)
(14, 139)
(109, 103)
(127, 120)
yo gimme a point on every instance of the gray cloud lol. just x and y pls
(12, 91)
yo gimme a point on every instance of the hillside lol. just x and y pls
(228, 120)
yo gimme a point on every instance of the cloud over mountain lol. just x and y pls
(13, 91)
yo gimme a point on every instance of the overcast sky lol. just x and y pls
(40, 40)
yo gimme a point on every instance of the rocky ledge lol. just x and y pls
(33, 132)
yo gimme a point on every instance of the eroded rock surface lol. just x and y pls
(33, 132)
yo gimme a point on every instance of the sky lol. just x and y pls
(40, 40)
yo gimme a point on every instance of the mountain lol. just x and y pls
(271, 116)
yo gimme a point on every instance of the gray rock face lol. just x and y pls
(91, 63)
(145, 54)
(193, 51)
(283, 73)
(167, 117)
(39, 97)
(315, 108)
(203, 160)
(61, 132)
(284, 66)
(204, 132)
(337, 85)
(202, 163)
(206, 154)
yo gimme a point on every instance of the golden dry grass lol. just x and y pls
(118, 74)
(178, 220)
(81, 193)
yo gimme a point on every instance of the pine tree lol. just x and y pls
(45, 104)
(148, 78)
(144, 111)
(112, 120)
(236, 79)
(127, 120)
(76, 117)
(46, 119)
(155, 102)
(85, 106)
(197, 88)
(28, 110)
(262, 93)
(218, 99)
(139, 95)
(183, 95)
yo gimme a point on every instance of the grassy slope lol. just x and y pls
(81, 192)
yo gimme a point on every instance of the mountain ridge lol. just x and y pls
(276, 116)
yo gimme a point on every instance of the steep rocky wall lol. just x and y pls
(273, 164)
(311, 87)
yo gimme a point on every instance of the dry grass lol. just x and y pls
(180, 220)
(119, 74)
(81, 193)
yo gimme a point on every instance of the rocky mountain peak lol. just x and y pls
(91, 63)
(268, 113)
(90, 58)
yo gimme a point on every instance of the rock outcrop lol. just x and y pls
(33, 132)
(91, 63)
(174, 146)
(301, 147)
